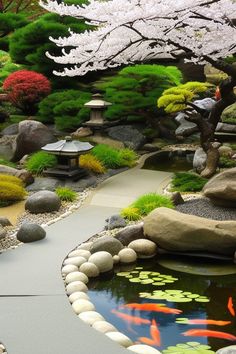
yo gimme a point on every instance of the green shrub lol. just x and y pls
(7, 163)
(187, 182)
(40, 161)
(148, 202)
(11, 192)
(226, 162)
(90, 162)
(66, 194)
(130, 213)
(11, 179)
(114, 158)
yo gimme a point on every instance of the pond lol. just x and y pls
(170, 161)
(166, 308)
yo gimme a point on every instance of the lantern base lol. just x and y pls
(74, 174)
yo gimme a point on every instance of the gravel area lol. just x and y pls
(204, 208)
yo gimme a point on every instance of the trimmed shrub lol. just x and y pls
(10, 192)
(40, 161)
(187, 182)
(26, 89)
(90, 162)
(130, 213)
(148, 202)
(66, 194)
(11, 179)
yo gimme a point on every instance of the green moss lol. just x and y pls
(229, 114)
(226, 162)
(187, 182)
(40, 161)
(66, 194)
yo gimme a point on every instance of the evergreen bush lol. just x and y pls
(187, 182)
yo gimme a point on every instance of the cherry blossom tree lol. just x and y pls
(131, 31)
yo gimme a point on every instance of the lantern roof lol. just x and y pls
(67, 147)
(97, 102)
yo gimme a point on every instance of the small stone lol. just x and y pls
(75, 260)
(120, 338)
(85, 246)
(127, 255)
(143, 349)
(69, 268)
(231, 349)
(116, 259)
(103, 260)
(115, 221)
(104, 327)
(108, 244)
(30, 232)
(82, 305)
(3, 232)
(144, 248)
(78, 295)
(5, 221)
(90, 317)
(176, 198)
(74, 276)
(81, 253)
(43, 202)
(90, 269)
(76, 286)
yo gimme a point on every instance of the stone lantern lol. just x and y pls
(97, 106)
(67, 152)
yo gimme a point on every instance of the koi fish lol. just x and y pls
(209, 333)
(131, 319)
(155, 333)
(147, 341)
(152, 307)
(231, 306)
(207, 322)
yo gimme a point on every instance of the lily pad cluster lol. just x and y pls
(147, 277)
(189, 348)
(174, 296)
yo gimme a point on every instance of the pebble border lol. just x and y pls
(2, 349)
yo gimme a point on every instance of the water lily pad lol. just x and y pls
(178, 299)
(188, 348)
(193, 296)
(135, 280)
(138, 267)
(147, 281)
(129, 276)
(158, 283)
(122, 274)
(174, 291)
(202, 300)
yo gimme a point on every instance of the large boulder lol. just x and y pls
(108, 244)
(174, 231)
(7, 146)
(43, 202)
(32, 135)
(24, 175)
(30, 232)
(127, 134)
(221, 189)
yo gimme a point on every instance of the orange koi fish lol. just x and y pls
(231, 306)
(147, 341)
(209, 333)
(208, 322)
(155, 333)
(152, 307)
(131, 319)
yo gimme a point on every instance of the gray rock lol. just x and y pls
(11, 129)
(31, 137)
(226, 128)
(43, 202)
(221, 189)
(3, 232)
(150, 147)
(185, 128)
(174, 231)
(115, 221)
(127, 134)
(108, 244)
(44, 183)
(5, 221)
(24, 175)
(30, 232)
(231, 349)
(7, 146)
(176, 198)
(81, 184)
(130, 233)
(199, 160)
(81, 132)
(206, 103)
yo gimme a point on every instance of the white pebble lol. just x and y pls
(68, 269)
(143, 349)
(90, 317)
(82, 253)
(104, 327)
(76, 286)
(82, 305)
(127, 255)
(90, 269)
(103, 260)
(75, 260)
(78, 295)
(73, 276)
(120, 338)
(85, 246)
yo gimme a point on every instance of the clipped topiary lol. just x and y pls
(66, 194)
(90, 162)
(131, 213)
(10, 192)
(40, 161)
(11, 179)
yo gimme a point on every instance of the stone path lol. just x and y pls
(35, 314)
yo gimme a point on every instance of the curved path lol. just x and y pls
(35, 314)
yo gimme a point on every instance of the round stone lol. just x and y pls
(81, 253)
(231, 349)
(108, 244)
(82, 305)
(68, 269)
(127, 255)
(90, 269)
(43, 202)
(76, 286)
(144, 248)
(75, 260)
(103, 260)
(30, 232)
(116, 259)
(90, 317)
(120, 338)
(85, 246)
(143, 349)
(76, 276)
(104, 327)
(78, 295)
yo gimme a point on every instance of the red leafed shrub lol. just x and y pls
(26, 89)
